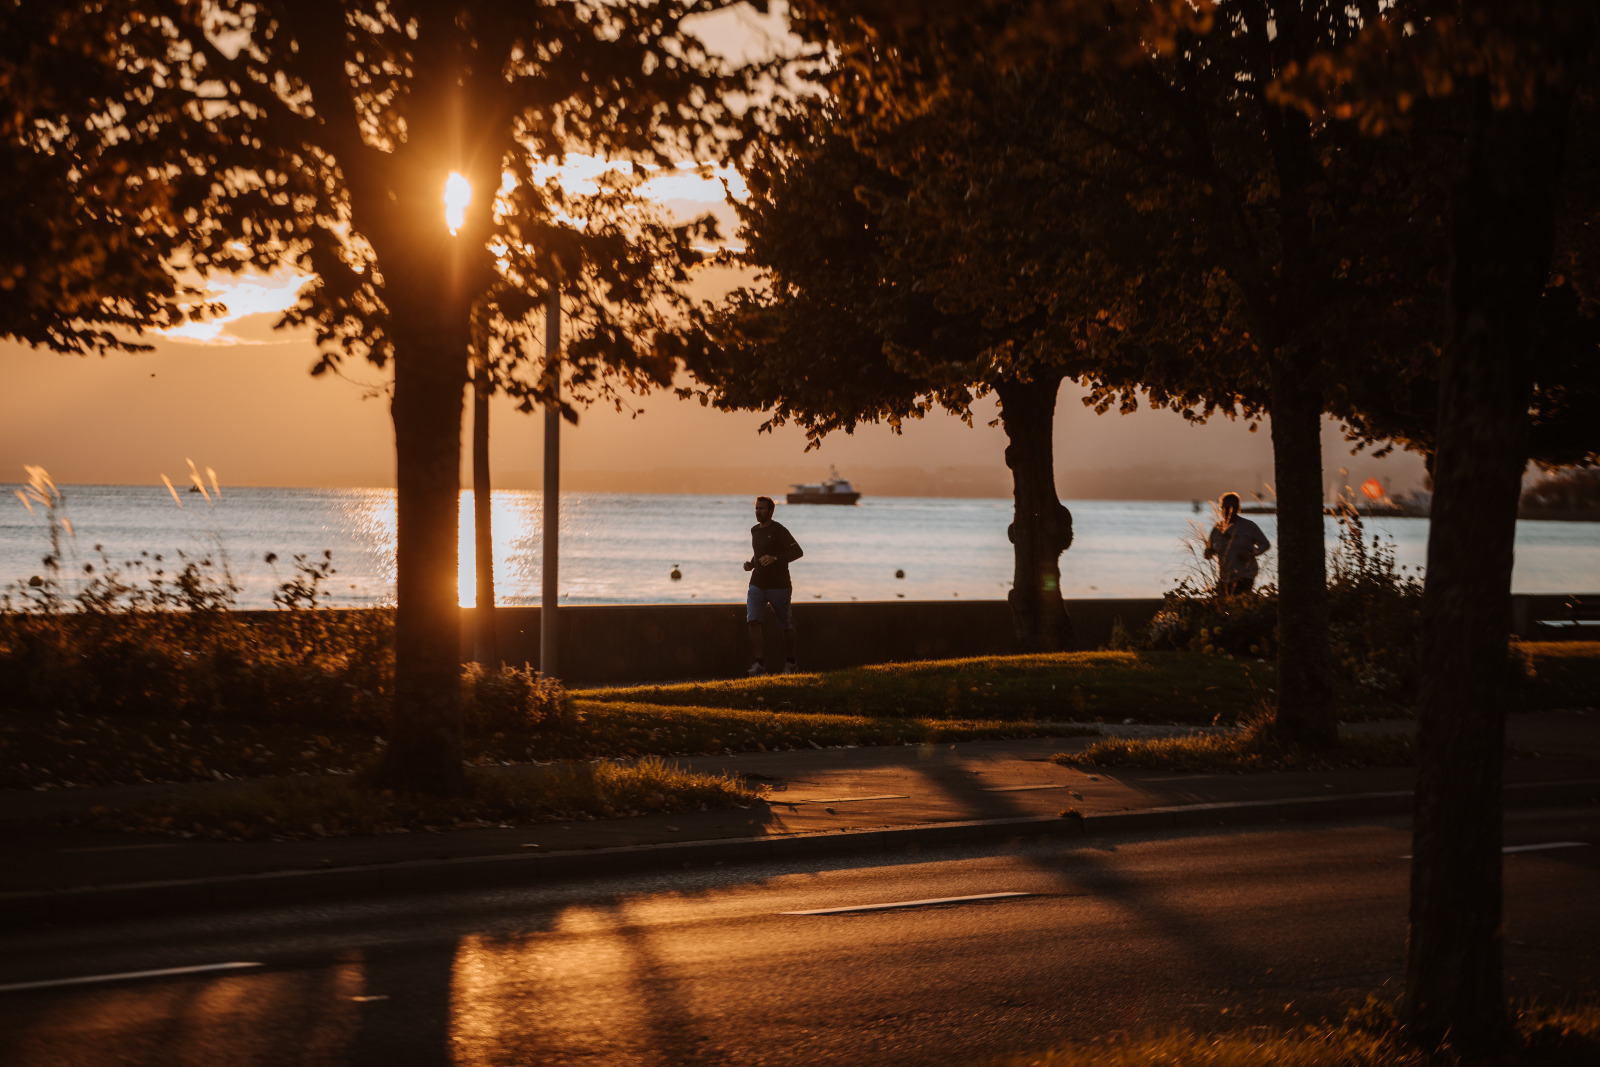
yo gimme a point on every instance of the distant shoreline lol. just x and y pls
(567, 488)
(963, 482)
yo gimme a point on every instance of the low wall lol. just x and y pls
(662, 642)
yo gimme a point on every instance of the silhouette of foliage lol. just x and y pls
(318, 135)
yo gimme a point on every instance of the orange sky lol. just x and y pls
(251, 411)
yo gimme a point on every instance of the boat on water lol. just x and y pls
(831, 490)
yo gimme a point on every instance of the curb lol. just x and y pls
(325, 885)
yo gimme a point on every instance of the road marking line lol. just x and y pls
(1531, 848)
(905, 904)
(120, 848)
(1177, 778)
(125, 976)
(1018, 788)
(844, 800)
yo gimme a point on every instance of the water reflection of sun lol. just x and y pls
(372, 513)
(515, 525)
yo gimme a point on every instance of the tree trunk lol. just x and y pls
(424, 752)
(1503, 233)
(1041, 529)
(486, 647)
(1305, 689)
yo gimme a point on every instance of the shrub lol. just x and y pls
(512, 700)
(138, 640)
(1192, 621)
(1374, 612)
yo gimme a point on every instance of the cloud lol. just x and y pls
(250, 300)
(254, 301)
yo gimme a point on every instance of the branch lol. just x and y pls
(318, 28)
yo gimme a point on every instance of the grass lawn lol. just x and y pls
(1248, 751)
(946, 700)
(327, 806)
(1178, 687)
(1368, 1037)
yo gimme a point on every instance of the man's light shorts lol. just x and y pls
(756, 600)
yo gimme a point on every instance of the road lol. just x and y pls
(1213, 930)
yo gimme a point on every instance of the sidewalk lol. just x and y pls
(827, 802)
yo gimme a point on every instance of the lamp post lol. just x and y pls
(548, 631)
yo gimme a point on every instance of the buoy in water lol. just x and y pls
(899, 574)
(676, 575)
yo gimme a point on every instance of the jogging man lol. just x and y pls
(773, 549)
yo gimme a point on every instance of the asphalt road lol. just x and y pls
(1209, 930)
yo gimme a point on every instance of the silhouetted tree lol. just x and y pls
(891, 290)
(90, 244)
(1525, 71)
(1257, 220)
(320, 134)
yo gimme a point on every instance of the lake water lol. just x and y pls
(621, 548)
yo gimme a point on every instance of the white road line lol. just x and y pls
(1532, 848)
(841, 800)
(1018, 788)
(121, 848)
(91, 979)
(905, 904)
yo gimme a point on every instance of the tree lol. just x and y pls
(321, 134)
(90, 246)
(1256, 217)
(1519, 68)
(889, 292)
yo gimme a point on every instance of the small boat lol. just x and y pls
(832, 490)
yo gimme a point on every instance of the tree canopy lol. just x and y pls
(320, 135)
(91, 247)
(1186, 236)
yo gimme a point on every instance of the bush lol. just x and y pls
(1373, 627)
(1375, 613)
(135, 640)
(512, 700)
(1191, 621)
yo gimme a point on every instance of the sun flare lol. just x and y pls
(457, 195)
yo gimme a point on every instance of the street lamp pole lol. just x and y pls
(548, 631)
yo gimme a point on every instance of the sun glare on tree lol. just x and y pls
(457, 195)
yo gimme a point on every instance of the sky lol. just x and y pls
(251, 411)
(237, 396)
